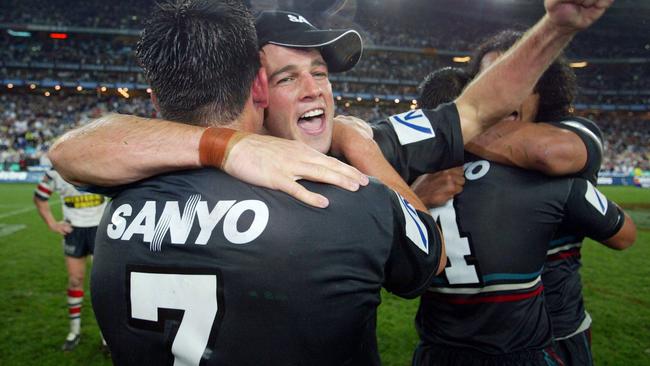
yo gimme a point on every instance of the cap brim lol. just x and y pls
(341, 49)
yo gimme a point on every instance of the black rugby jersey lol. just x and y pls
(497, 232)
(561, 276)
(198, 267)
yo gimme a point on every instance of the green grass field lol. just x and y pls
(34, 313)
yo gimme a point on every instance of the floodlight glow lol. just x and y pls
(123, 92)
(579, 65)
(10, 86)
(80, 88)
(396, 101)
(57, 87)
(32, 86)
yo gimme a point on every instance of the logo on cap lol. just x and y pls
(298, 19)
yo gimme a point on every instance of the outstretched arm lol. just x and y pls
(498, 91)
(120, 149)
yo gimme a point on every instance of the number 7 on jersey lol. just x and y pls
(192, 299)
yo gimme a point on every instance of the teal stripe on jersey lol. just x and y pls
(510, 276)
(564, 240)
(494, 277)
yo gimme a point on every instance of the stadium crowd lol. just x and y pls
(451, 31)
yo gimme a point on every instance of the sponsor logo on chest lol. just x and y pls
(148, 226)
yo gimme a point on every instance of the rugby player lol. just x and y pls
(196, 267)
(81, 215)
(561, 278)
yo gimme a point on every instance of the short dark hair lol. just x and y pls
(201, 58)
(557, 87)
(441, 86)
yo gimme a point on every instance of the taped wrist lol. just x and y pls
(215, 145)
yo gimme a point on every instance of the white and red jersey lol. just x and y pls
(80, 209)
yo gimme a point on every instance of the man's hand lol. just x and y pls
(575, 15)
(436, 189)
(278, 163)
(61, 227)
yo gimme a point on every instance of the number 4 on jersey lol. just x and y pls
(458, 271)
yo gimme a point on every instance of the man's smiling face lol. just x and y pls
(301, 105)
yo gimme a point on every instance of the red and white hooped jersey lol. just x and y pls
(81, 209)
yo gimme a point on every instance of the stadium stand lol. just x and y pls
(61, 66)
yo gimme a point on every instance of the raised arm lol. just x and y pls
(120, 149)
(502, 87)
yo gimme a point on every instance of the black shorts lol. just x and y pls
(576, 350)
(428, 355)
(80, 242)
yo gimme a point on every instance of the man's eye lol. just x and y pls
(285, 79)
(320, 74)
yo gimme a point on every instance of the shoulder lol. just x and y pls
(582, 126)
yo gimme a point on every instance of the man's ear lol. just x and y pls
(260, 89)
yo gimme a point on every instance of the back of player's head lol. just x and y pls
(557, 87)
(442, 86)
(201, 58)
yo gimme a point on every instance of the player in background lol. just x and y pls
(81, 215)
(242, 275)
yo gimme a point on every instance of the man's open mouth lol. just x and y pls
(312, 122)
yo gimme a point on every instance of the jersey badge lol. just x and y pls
(415, 229)
(412, 126)
(596, 198)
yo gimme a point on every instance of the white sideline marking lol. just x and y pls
(8, 229)
(25, 209)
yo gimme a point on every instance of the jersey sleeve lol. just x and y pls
(421, 141)
(46, 186)
(590, 213)
(415, 252)
(592, 137)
